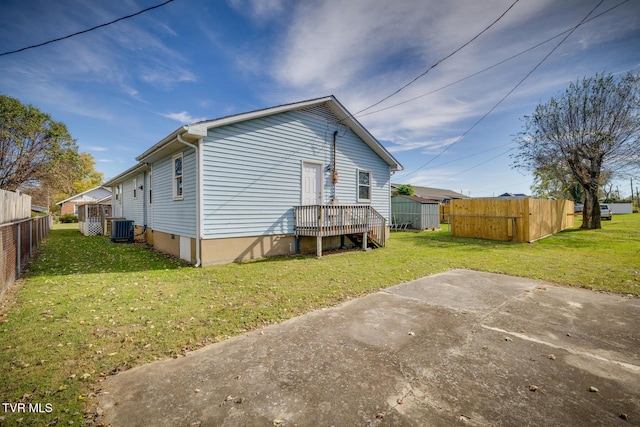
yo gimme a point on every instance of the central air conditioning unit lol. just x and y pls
(122, 230)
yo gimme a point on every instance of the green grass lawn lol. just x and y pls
(89, 308)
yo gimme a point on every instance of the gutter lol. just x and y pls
(197, 148)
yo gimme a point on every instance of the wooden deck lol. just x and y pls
(340, 220)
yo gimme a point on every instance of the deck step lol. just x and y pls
(357, 240)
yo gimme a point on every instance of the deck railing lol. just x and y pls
(377, 227)
(337, 220)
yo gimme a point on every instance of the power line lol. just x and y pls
(87, 30)
(510, 91)
(491, 66)
(474, 166)
(438, 62)
(475, 154)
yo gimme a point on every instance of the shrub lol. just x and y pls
(68, 218)
(405, 190)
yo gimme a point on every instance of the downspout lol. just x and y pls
(200, 200)
(334, 172)
(199, 193)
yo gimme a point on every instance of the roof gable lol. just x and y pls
(95, 193)
(327, 108)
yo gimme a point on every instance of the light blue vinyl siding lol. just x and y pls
(149, 206)
(353, 155)
(168, 215)
(133, 209)
(137, 207)
(252, 172)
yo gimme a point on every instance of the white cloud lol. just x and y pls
(258, 10)
(183, 117)
(430, 177)
(166, 76)
(95, 148)
(431, 146)
(363, 50)
(209, 59)
(126, 59)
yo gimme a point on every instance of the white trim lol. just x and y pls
(358, 185)
(135, 170)
(105, 187)
(135, 188)
(149, 188)
(174, 187)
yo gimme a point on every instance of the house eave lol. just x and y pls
(189, 133)
(364, 134)
(237, 118)
(81, 194)
(135, 170)
(193, 132)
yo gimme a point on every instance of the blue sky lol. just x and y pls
(122, 88)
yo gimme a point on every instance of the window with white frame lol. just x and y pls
(135, 188)
(177, 177)
(364, 185)
(149, 187)
(118, 191)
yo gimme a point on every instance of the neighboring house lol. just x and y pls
(441, 195)
(99, 194)
(39, 210)
(269, 182)
(513, 196)
(620, 208)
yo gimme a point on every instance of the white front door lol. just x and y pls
(311, 183)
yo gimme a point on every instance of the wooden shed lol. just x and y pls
(415, 212)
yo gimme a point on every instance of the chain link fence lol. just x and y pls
(18, 242)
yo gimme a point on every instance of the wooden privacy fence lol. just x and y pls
(445, 210)
(518, 220)
(14, 206)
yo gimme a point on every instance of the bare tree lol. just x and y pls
(33, 148)
(592, 127)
